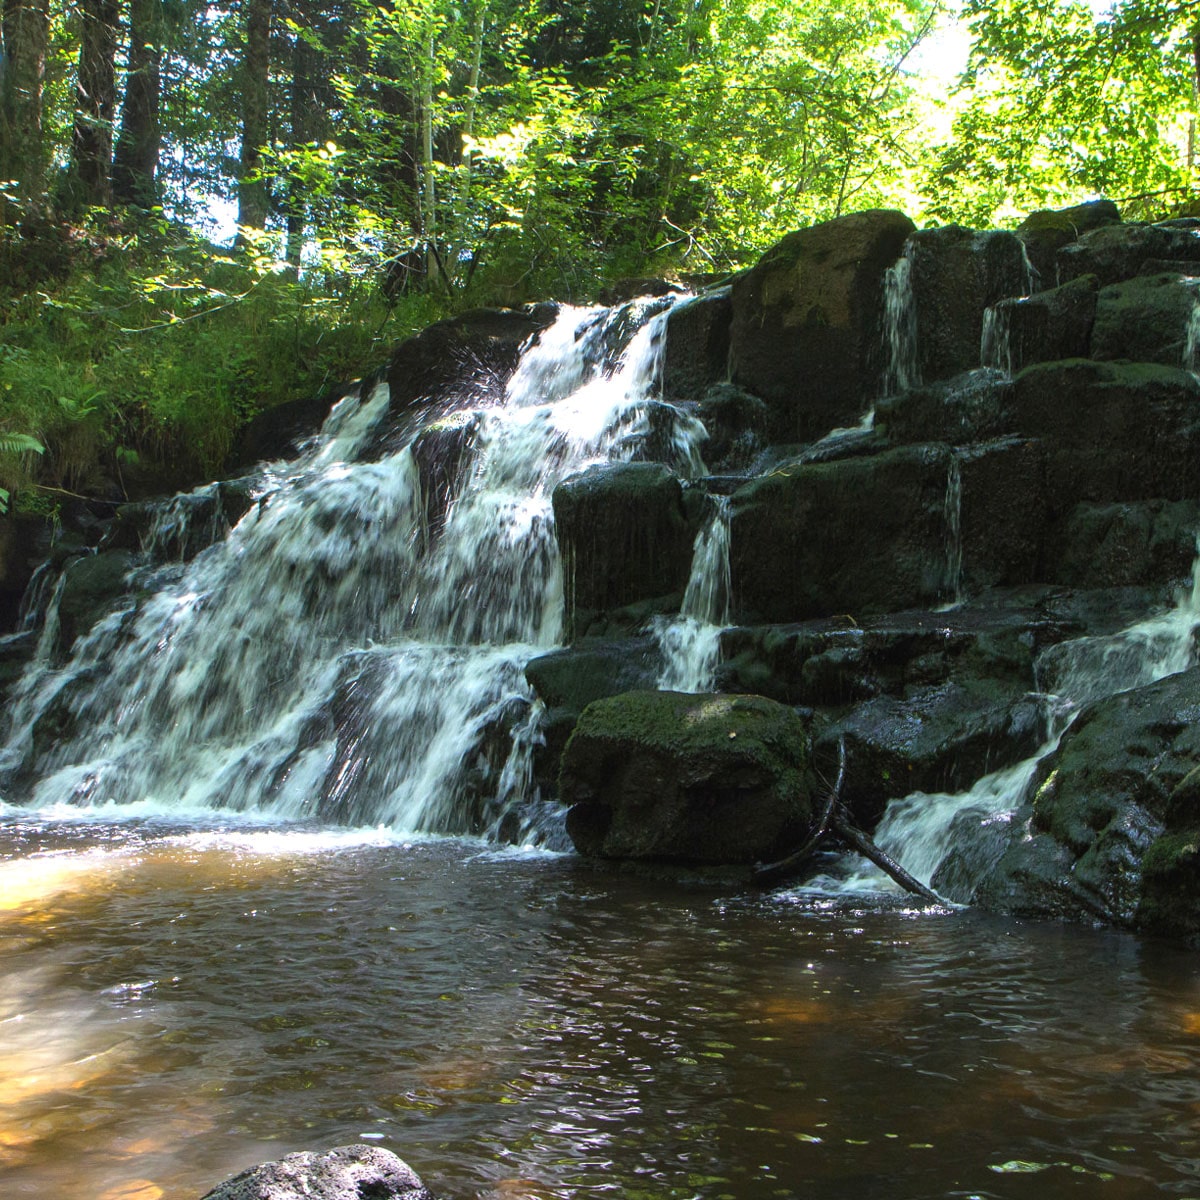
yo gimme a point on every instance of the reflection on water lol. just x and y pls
(178, 1004)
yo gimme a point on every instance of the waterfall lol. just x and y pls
(691, 642)
(952, 517)
(920, 829)
(353, 649)
(995, 343)
(1191, 345)
(902, 369)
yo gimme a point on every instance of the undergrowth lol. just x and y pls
(134, 352)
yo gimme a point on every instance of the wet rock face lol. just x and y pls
(626, 532)
(1112, 824)
(957, 274)
(859, 536)
(1145, 319)
(696, 354)
(807, 320)
(1116, 252)
(347, 1173)
(697, 780)
(1048, 231)
(1049, 325)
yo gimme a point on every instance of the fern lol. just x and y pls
(19, 443)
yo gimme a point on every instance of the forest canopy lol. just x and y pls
(387, 162)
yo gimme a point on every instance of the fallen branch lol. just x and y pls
(835, 819)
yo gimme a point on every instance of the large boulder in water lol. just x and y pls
(626, 532)
(347, 1173)
(957, 274)
(807, 322)
(698, 780)
(857, 536)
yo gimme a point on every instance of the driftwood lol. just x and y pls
(834, 820)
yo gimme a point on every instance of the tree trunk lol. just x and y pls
(256, 64)
(135, 162)
(95, 102)
(429, 194)
(305, 106)
(26, 30)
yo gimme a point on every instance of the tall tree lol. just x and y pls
(25, 29)
(135, 160)
(253, 198)
(90, 175)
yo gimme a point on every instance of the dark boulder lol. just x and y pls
(442, 452)
(1112, 431)
(939, 738)
(737, 425)
(1116, 252)
(278, 432)
(1110, 799)
(696, 349)
(967, 408)
(1145, 319)
(837, 662)
(858, 536)
(568, 680)
(348, 1173)
(94, 586)
(807, 323)
(1043, 327)
(626, 532)
(463, 362)
(957, 274)
(1047, 231)
(696, 780)
(1123, 545)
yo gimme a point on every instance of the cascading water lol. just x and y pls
(952, 515)
(995, 345)
(345, 653)
(902, 366)
(691, 643)
(1191, 345)
(920, 829)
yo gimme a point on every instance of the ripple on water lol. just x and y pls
(176, 1003)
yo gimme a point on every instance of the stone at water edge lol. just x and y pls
(356, 1172)
(698, 780)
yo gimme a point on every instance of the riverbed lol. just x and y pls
(181, 1000)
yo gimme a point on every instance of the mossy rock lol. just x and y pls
(698, 780)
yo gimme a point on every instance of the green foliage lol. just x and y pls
(147, 362)
(1058, 104)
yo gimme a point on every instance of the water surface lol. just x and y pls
(178, 1002)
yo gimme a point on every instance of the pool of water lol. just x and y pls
(177, 1003)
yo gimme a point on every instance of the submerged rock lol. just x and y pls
(357, 1172)
(697, 780)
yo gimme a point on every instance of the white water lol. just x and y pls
(902, 370)
(995, 345)
(333, 656)
(920, 829)
(691, 643)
